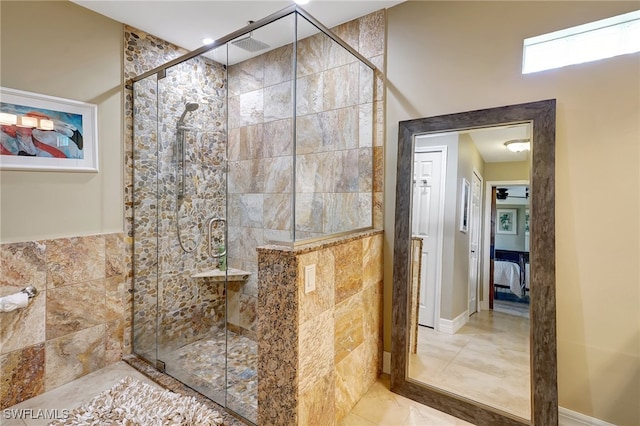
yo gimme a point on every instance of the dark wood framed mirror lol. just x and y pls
(541, 257)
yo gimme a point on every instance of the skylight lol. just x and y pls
(619, 35)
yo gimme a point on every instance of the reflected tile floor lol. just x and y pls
(487, 360)
(378, 407)
(511, 308)
(201, 366)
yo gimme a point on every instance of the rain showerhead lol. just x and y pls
(249, 43)
(188, 107)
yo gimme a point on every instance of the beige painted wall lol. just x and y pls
(515, 170)
(469, 158)
(446, 57)
(60, 49)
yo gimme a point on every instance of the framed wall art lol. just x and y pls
(465, 191)
(41, 132)
(507, 221)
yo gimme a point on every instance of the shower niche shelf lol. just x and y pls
(230, 274)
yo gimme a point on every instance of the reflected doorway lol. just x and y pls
(509, 280)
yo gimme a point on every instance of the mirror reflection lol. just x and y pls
(469, 297)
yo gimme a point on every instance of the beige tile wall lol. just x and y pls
(336, 330)
(74, 325)
(339, 147)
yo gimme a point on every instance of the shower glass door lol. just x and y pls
(192, 232)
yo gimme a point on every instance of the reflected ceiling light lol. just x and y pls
(7, 119)
(302, 1)
(207, 40)
(518, 145)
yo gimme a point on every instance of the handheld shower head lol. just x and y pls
(188, 107)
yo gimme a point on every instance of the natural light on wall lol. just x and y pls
(606, 38)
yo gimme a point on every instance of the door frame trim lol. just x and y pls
(486, 237)
(480, 261)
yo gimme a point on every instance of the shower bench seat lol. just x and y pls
(230, 274)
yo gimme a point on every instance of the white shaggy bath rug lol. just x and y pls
(133, 403)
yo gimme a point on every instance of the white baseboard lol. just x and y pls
(452, 326)
(386, 362)
(567, 417)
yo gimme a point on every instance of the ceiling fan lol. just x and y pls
(503, 194)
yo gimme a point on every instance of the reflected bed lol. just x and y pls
(511, 272)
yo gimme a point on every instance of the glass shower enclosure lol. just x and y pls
(263, 137)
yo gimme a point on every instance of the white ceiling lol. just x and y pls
(186, 23)
(490, 142)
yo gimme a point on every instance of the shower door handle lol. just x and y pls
(215, 254)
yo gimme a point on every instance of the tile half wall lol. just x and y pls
(319, 352)
(74, 325)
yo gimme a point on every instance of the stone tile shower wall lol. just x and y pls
(190, 308)
(260, 169)
(334, 160)
(338, 149)
(187, 308)
(76, 322)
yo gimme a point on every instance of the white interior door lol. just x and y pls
(474, 242)
(427, 190)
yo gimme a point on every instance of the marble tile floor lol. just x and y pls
(201, 365)
(487, 360)
(378, 407)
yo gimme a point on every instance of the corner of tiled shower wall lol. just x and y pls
(367, 36)
(371, 44)
(339, 154)
(74, 325)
